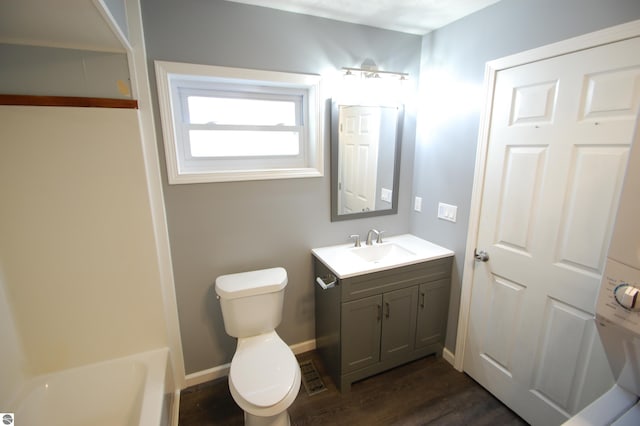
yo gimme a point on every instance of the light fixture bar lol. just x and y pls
(371, 72)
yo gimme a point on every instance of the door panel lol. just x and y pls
(595, 178)
(499, 336)
(534, 104)
(611, 94)
(520, 193)
(566, 340)
(559, 136)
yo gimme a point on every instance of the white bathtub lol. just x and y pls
(122, 392)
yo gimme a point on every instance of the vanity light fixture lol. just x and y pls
(369, 69)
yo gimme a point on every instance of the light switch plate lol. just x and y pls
(386, 194)
(417, 204)
(447, 212)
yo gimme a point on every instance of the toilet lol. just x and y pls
(264, 378)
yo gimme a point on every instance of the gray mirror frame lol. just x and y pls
(335, 109)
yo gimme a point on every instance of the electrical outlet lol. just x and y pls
(447, 212)
(417, 204)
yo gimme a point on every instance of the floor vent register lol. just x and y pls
(311, 380)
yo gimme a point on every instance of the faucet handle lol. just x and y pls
(379, 240)
(357, 240)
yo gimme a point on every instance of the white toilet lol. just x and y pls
(264, 378)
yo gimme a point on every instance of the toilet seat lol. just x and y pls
(264, 374)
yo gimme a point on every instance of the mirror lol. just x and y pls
(365, 159)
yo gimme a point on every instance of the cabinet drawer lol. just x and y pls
(395, 279)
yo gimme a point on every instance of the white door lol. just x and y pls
(558, 142)
(358, 162)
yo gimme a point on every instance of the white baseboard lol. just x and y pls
(449, 356)
(207, 375)
(302, 347)
(204, 376)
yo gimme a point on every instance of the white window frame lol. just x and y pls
(174, 77)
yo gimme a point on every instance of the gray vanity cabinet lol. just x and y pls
(378, 328)
(373, 322)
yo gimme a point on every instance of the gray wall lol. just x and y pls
(221, 228)
(447, 134)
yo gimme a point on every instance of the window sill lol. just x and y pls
(244, 175)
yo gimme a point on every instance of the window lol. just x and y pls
(224, 124)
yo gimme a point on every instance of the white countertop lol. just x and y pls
(344, 264)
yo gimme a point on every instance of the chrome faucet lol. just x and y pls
(369, 235)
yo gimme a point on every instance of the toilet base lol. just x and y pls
(281, 419)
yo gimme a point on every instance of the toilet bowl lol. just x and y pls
(264, 377)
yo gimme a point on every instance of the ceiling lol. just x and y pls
(409, 16)
(81, 23)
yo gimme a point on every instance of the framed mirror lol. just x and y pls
(365, 159)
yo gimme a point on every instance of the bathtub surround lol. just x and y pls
(51, 71)
(12, 368)
(82, 273)
(77, 248)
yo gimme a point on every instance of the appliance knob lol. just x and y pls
(627, 296)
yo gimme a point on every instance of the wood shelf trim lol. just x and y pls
(67, 101)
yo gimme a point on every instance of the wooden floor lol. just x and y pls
(425, 392)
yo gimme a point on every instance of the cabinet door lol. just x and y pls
(399, 322)
(360, 330)
(432, 312)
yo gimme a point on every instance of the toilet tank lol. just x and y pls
(252, 301)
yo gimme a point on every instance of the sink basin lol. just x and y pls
(382, 252)
(345, 260)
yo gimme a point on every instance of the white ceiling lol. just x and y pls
(80, 24)
(409, 16)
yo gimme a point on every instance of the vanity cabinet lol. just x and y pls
(378, 328)
(370, 323)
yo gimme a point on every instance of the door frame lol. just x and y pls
(583, 42)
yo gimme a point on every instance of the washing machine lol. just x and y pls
(618, 311)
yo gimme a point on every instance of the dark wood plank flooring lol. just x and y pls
(428, 391)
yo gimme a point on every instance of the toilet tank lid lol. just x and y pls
(250, 283)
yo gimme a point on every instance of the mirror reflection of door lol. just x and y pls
(359, 135)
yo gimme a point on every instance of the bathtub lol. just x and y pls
(122, 392)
